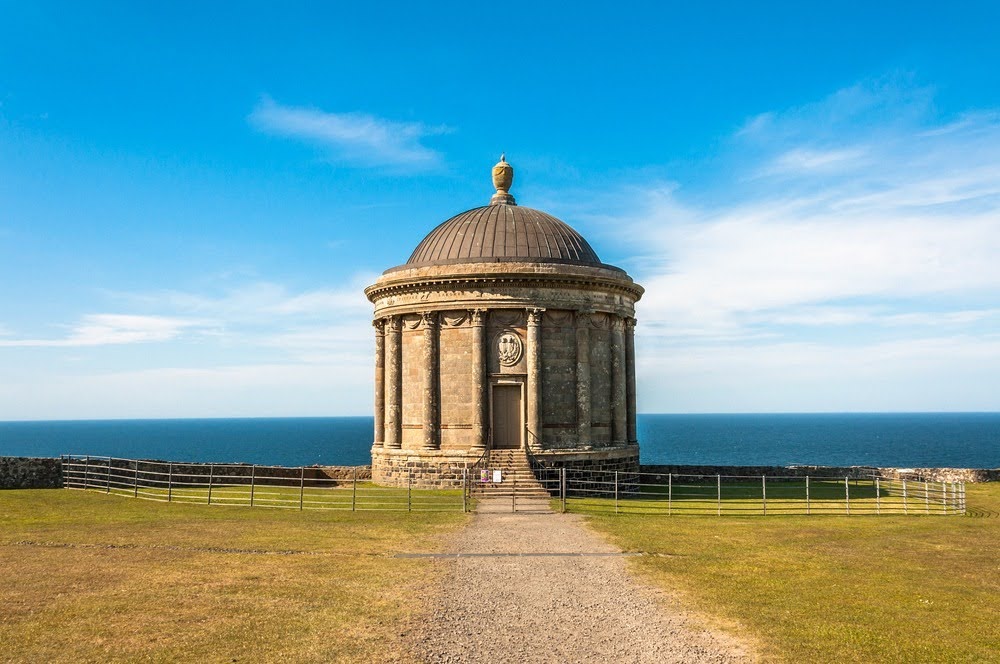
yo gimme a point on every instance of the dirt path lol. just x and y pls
(541, 588)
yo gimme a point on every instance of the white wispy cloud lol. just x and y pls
(355, 138)
(845, 232)
(114, 329)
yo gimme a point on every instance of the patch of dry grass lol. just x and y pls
(844, 589)
(91, 577)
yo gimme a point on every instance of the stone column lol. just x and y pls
(432, 412)
(393, 383)
(480, 385)
(534, 386)
(633, 435)
(379, 382)
(583, 377)
(618, 397)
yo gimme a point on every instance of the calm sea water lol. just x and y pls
(904, 440)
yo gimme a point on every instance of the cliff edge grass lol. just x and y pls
(91, 577)
(835, 589)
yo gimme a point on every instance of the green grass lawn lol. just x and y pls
(94, 577)
(835, 588)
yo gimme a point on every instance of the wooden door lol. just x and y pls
(507, 417)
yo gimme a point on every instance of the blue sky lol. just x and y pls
(193, 195)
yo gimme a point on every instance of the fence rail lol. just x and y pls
(748, 495)
(249, 485)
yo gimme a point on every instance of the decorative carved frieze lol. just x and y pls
(557, 318)
(454, 318)
(507, 317)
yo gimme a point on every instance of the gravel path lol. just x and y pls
(526, 604)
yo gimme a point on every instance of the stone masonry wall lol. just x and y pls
(30, 473)
(600, 379)
(423, 470)
(559, 428)
(457, 389)
(413, 383)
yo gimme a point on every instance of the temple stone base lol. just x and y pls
(421, 469)
(622, 459)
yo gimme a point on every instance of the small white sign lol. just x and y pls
(497, 477)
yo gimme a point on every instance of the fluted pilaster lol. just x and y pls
(480, 386)
(393, 383)
(431, 409)
(633, 435)
(583, 417)
(534, 386)
(379, 326)
(619, 399)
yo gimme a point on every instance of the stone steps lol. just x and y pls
(517, 478)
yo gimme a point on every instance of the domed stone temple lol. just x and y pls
(503, 331)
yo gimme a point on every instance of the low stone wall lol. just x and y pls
(30, 473)
(423, 469)
(622, 459)
(854, 472)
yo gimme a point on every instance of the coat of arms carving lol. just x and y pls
(509, 348)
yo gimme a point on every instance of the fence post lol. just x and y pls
(135, 480)
(616, 492)
(211, 480)
(808, 505)
(670, 493)
(878, 496)
(302, 484)
(847, 494)
(108, 485)
(253, 481)
(905, 509)
(354, 490)
(409, 491)
(513, 493)
(718, 495)
(563, 474)
(465, 484)
(763, 492)
(170, 481)
(927, 499)
(86, 472)
(944, 497)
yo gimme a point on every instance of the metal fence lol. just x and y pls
(741, 495)
(299, 488)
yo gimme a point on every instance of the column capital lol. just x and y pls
(393, 323)
(477, 316)
(379, 325)
(429, 318)
(535, 315)
(617, 323)
(630, 323)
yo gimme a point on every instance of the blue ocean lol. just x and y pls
(883, 439)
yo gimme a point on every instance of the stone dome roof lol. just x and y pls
(503, 232)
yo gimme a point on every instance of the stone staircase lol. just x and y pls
(517, 478)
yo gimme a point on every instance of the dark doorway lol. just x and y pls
(507, 417)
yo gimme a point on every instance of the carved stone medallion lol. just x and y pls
(509, 348)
